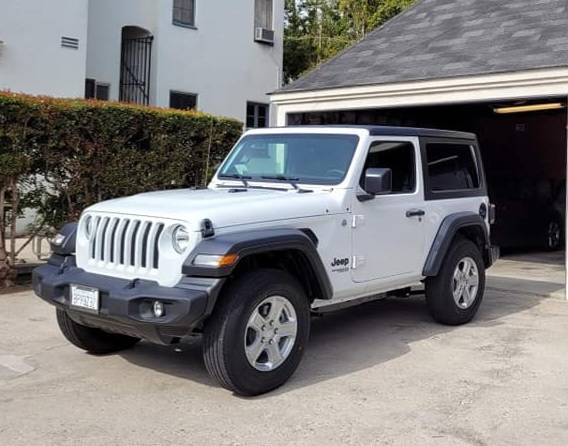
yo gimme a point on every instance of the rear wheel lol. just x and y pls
(554, 234)
(90, 339)
(256, 337)
(454, 295)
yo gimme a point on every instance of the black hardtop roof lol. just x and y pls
(379, 130)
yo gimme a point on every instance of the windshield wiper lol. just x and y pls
(237, 176)
(290, 180)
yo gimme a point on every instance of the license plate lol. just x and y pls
(85, 298)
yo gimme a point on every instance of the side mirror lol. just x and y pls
(377, 182)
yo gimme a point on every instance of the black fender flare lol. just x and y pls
(449, 227)
(69, 237)
(247, 243)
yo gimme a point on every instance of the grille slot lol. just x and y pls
(127, 242)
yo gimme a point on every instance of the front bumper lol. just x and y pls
(125, 306)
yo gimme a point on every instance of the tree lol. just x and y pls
(316, 30)
(13, 166)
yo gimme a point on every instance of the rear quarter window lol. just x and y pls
(451, 167)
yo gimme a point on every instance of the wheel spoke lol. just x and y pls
(287, 329)
(473, 280)
(257, 322)
(457, 275)
(274, 355)
(466, 296)
(276, 307)
(254, 350)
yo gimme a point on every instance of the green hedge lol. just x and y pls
(69, 154)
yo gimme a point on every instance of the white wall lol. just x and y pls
(106, 20)
(219, 60)
(32, 59)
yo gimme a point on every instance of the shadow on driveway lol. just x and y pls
(353, 339)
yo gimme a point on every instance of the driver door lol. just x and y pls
(389, 230)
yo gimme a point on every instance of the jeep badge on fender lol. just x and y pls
(246, 270)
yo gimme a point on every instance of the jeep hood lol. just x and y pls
(225, 207)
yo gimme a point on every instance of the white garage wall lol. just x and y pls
(32, 59)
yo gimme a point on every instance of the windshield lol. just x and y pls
(302, 158)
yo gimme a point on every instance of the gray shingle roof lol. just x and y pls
(448, 38)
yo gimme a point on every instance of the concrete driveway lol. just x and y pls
(383, 373)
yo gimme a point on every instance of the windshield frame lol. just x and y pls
(302, 181)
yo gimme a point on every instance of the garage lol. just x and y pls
(497, 69)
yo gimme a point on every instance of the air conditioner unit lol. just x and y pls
(264, 35)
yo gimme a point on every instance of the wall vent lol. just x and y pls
(70, 42)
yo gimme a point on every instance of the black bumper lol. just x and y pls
(126, 306)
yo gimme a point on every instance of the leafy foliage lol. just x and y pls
(60, 156)
(317, 30)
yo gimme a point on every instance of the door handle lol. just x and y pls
(415, 213)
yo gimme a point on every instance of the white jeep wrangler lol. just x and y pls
(296, 220)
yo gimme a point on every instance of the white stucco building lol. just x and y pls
(217, 56)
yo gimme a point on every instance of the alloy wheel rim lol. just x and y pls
(465, 283)
(553, 234)
(270, 333)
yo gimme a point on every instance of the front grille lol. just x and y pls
(129, 242)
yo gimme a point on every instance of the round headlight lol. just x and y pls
(88, 226)
(180, 239)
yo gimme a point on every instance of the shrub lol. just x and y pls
(65, 155)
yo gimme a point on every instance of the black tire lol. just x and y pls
(92, 340)
(439, 290)
(554, 237)
(224, 334)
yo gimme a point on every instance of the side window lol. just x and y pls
(102, 92)
(184, 13)
(257, 115)
(183, 101)
(451, 167)
(397, 156)
(263, 14)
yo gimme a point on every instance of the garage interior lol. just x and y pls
(523, 143)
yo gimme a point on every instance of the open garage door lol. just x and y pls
(524, 146)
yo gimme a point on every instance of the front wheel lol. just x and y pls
(256, 337)
(90, 339)
(455, 294)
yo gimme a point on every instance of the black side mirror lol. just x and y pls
(377, 182)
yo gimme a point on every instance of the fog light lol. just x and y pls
(158, 309)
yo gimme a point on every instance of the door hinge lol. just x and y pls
(358, 220)
(358, 261)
